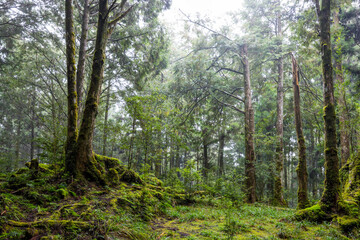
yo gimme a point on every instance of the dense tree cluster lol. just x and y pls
(268, 102)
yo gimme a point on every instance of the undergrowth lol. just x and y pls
(41, 205)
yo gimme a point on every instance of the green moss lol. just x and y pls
(22, 170)
(113, 176)
(130, 176)
(347, 223)
(62, 193)
(312, 214)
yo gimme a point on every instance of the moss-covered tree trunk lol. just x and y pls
(279, 163)
(250, 181)
(72, 132)
(331, 194)
(343, 113)
(301, 170)
(86, 164)
(80, 73)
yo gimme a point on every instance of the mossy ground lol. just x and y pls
(43, 206)
(257, 221)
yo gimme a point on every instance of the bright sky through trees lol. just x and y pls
(211, 8)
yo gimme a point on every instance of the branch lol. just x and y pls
(113, 22)
(228, 105)
(229, 94)
(203, 26)
(192, 109)
(230, 70)
(317, 6)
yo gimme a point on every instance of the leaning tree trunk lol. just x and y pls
(250, 182)
(331, 195)
(303, 201)
(70, 160)
(85, 159)
(278, 188)
(343, 114)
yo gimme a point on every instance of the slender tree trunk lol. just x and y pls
(343, 113)
(18, 141)
(85, 158)
(205, 154)
(312, 164)
(80, 74)
(221, 153)
(32, 125)
(70, 161)
(285, 172)
(250, 182)
(301, 170)
(131, 155)
(278, 188)
(106, 130)
(177, 159)
(331, 194)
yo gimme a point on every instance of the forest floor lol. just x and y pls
(257, 221)
(45, 207)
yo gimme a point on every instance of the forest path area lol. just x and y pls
(257, 221)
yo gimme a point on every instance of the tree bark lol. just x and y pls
(205, 153)
(107, 105)
(32, 125)
(80, 74)
(301, 170)
(343, 113)
(250, 181)
(331, 194)
(278, 188)
(85, 159)
(72, 133)
(221, 153)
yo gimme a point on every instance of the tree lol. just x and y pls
(250, 182)
(72, 131)
(331, 195)
(301, 169)
(81, 161)
(279, 165)
(339, 74)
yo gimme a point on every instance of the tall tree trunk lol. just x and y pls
(85, 159)
(107, 105)
(80, 74)
(32, 125)
(70, 161)
(278, 188)
(205, 153)
(301, 169)
(18, 141)
(331, 194)
(221, 152)
(343, 113)
(250, 182)
(131, 154)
